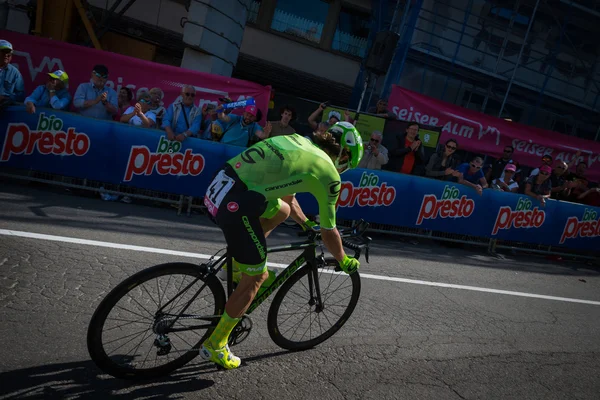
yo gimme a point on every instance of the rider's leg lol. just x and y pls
(268, 224)
(248, 248)
(244, 293)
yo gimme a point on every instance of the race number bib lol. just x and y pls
(216, 192)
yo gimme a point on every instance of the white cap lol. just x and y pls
(5, 44)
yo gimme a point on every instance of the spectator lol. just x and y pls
(183, 119)
(53, 94)
(333, 116)
(156, 96)
(381, 110)
(495, 169)
(546, 160)
(506, 183)
(561, 188)
(578, 182)
(238, 130)
(590, 197)
(442, 164)
(209, 115)
(376, 154)
(408, 151)
(472, 175)
(12, 86)
(123, 102)
(94, 99)
(140, 114)
(539, 186)
(283, 127)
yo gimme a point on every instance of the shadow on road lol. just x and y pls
(81, 380)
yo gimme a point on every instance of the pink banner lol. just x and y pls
(480, 133)
(35, 57)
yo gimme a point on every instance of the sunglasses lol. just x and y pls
(450, 147)
(189, 94)
(544, 173)
(508, 151)
(6, 51)
(560, 167)
(475, 166)
(374, 140)
(100, 75)
(145, 101)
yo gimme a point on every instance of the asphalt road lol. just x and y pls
(407, 339)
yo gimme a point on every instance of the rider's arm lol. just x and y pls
(333, 242)
(295, 210)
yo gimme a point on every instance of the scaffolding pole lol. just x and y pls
(397, 65)
(512, 78)
(555, 51)
(505, 41)
(462, 34)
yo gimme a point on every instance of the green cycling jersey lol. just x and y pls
(283, 165)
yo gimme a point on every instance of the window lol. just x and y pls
(253, 8)
(352, 32)
(303, 19)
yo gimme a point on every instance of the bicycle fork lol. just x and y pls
(315, 289)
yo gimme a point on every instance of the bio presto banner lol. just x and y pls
(35, 57)
(410, 201)
(106, 151)
(481, 133)
(71, 145)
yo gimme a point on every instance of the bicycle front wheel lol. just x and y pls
(312, 305)
(155, 321)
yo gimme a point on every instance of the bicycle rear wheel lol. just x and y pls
(323, 296)
(142, 329)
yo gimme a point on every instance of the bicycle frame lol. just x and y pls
(308, 256)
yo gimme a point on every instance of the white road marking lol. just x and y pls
(31, 235)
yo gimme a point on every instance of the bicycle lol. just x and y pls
(178, 312)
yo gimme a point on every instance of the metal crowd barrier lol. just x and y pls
(189, 203)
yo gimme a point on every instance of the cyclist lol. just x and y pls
(244, 199)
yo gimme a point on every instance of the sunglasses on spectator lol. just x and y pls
(507, 150)
(544, 173)
(559, 167)
(190, 94)
(145, 101)
(374, 140)
(6, 51)
(475, 166)
(450, 147)
(100, 75)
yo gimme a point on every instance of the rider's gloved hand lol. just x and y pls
(309, 225)
(349, 265)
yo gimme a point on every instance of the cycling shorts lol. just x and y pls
(237, 211)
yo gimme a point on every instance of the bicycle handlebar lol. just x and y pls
(349, 236)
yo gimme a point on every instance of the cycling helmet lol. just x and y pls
(349, 138)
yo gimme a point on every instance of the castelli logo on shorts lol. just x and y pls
(587, 227)
(233, 206)
(238, 164)
(369, 193)
(522, 217)
(448, 206)
(49, 137)
(165, 161)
